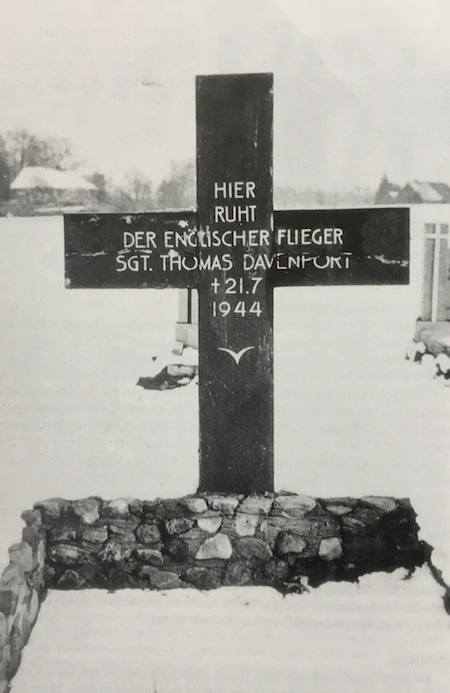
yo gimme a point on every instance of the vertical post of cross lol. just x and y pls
(234, 190)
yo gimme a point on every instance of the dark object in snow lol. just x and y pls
(165, 381)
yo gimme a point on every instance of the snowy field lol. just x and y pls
(384, 636)
(351, 418)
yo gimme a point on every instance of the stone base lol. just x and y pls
(22, 589)
(202, 541)
(207, 541)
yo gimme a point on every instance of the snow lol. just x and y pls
(352, 417)
(386, 634)
(43, 177)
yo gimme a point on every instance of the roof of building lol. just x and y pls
(430, 192)
(32, 177)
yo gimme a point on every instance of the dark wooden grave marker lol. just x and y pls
(235, 250)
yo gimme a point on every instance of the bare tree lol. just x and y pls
(139, 190)
(385, 187)
(178, 190)
(133, 195)
(23, 148)
(100, 182)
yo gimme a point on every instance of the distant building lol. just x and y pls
(416, 192)
(46, 189)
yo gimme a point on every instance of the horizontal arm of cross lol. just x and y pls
(341, 246)
(170, 250)
(117, 251)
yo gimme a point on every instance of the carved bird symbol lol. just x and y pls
(236, 356)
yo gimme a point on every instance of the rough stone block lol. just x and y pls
(9, 597)
(52, 507)
(4, 661)
(11, 574)
(32, 517)
(178, 525)
(224, 504)
(312, 529)
(215, 547)
(330, 549)
(201, 578)
(255, 505)
(193, 539)
(276, 570)
(195, 505)
(148, 534)
(385, 504)
(3, 630)
(368, 516)
(151, 556)
(129, 522)
(288, 542)
(115, 551)
(95, 535)
(253, 549)
(339, 509)
(353, 525)
(68, 554)
(21, 629)
(135, 507)
(71, 580)
(16, 642)
(144, 507)
(161, 579)
(237, 573)
(177, 549)
(296, 506)
(122, 534)
(346, 501)
(167, 507)
(32, 535)
(22, 555)
(40, 555)
(87, 509)
(246, 525)
(116, 508)
(210, 524)
(58, 535)
(33, 607)
(49, 575)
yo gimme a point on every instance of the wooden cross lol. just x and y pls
(235, 250)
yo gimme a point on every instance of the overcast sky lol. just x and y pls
(117, 78)
(385, 32)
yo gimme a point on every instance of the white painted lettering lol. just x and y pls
(237, 190)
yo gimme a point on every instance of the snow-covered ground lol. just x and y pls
(351, 418)
(382, 636)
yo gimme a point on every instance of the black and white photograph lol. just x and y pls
(225, 346)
